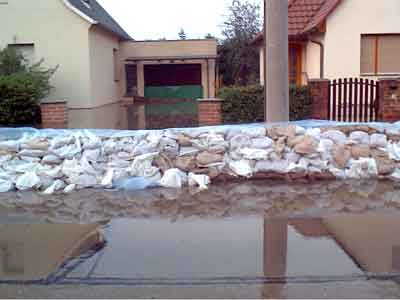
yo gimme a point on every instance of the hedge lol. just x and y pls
(18, 100)
(245, 104)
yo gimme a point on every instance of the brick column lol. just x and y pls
(389, 106)
(54, 115)
(319, 92)
(210, 112)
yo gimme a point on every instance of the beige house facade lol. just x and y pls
(341, 38)
(92, 53)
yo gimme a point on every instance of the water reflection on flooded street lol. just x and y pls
(249, 240)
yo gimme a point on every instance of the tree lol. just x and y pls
(209, 36)
(182, 34)
(22, 86)
(239, 61)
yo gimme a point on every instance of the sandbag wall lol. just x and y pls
(74, 160)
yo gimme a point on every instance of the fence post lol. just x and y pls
(389, 96)
(54, 114)
(319, 92)
(210, 112)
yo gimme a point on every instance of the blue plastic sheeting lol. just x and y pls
(17, 133)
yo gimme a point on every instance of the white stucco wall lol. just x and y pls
(312, 59)
(59, 36)
(104, 88)
(345, 26)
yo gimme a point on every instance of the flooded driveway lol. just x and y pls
(246, 240)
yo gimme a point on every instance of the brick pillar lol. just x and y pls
(319, 92)
(54, 115)
(210, 112)
(389, 106)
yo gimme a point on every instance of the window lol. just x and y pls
(380, 54)
(131, 80)
(116, 64)
(295, 53)
(26, 50)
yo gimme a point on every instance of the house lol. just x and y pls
(341, 38)
(100, 65)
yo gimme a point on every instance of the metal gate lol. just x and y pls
(353, 100)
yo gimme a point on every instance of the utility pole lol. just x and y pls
(276, 60)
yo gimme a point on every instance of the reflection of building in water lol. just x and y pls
(349, 242)
(373, 240)
(35, 251)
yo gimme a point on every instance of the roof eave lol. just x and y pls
(79, 13)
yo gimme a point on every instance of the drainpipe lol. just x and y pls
(321, 59)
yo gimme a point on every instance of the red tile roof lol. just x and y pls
(306, 15)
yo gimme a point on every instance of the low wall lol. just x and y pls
(54, 161)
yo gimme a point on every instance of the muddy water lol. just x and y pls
(248, 240)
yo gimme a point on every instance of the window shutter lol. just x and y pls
(389, 54)
(368, 54)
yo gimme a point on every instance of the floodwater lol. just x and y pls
(239, 240)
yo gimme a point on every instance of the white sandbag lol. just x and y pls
(107, 180)
(92, 155)
(188, 151)
(255, 154)
(232, 132)
(335, 136)
(19, 166)
(300, 130)
(57, 186)
(67, 152)
(4, 158)
(338, 173)
(314, 133)
(83, 181)
(142, 165)
(379, 140)
(61, 141)
(202, 181)
(71, 168)
(91, 141)
(394, 151)
(51, 160)
(173, 178)
(69, 188)
(360, 137)
(109, 147)
(87, 167)
(30, 159)
(54, 173)
(291, 157)
(255, 132)
(278, 166)
(301, 166)
(261, 143)
(240, 141)
(28, 181)
(120, 164)
(6, 186)
(362, 168)
(241, 168)
(32, 153)
(11, 146)
(35, 144)
(169, 146)
(135, 183)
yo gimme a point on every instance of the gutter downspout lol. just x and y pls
(322, 56)
(79, 13)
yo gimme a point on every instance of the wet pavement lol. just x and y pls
(247, 240)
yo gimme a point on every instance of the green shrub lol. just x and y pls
(22, 86)
(245, 104)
